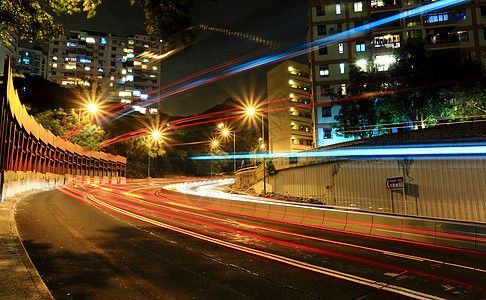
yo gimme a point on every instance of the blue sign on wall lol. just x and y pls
(395, 183)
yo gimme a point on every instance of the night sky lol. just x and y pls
(281, 21)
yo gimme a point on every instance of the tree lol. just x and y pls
(60, 123)
(414, 91)
(32, 19)
(359, 115)
(466, 103)
(167, 20)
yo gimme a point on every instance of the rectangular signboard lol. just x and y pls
(395, 183)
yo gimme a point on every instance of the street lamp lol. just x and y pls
(250, 111)
(155, 136)
(92, 107)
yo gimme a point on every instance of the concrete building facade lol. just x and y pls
(33, 62)
(115, 64)
(290, 116)
(461, 27)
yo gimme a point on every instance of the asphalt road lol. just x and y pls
(136, 242)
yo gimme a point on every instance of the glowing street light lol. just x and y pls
(156, 135)
(226, 132)
(92, 107)
(250, 111)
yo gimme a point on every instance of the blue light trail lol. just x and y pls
(301, 49)
(414, 150)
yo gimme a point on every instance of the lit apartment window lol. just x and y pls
(343, 89)
(338, 9)
(358, 6)
(324, 70)
(342, 68)
(320, 10)
(463, 36)
(341, 48)
(436, 17)
(360, 47)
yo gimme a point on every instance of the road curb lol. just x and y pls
(25, 262)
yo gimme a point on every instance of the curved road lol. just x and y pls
(139, 241)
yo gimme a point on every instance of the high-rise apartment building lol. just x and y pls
(289, 110)
(461, 27)
(115, 64)
(33, 62)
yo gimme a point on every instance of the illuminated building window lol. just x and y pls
(54, 65)
(124, 71)
(125, 101)
(130, 55)
(362, 64)
(129, 77)
(144, 67)
(131, 42)
(338, 9)
(90, 40)
(87, 68)
(463, 36)
(103, 41)
(67, 82)
(436, 17)
(383, 62)
(54, 58)
(387, 41)
(70, 66)
(341, 48)
(154, 68)
(323, 70)
(100, 69)
(137, 63)
(343, 89)
(145, 60)
(112, 78)
(342, 68)
(360, 47)
(111, 84)
(358, 6)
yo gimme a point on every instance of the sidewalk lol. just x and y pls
(18, 277)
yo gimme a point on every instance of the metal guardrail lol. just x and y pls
(26, 146)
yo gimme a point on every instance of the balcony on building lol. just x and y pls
(385, 4)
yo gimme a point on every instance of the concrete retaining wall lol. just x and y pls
(12, 182)
(471, 236)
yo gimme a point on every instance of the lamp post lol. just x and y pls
(214, 144)
(226, 132)
(250, 111)
(155, 136)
